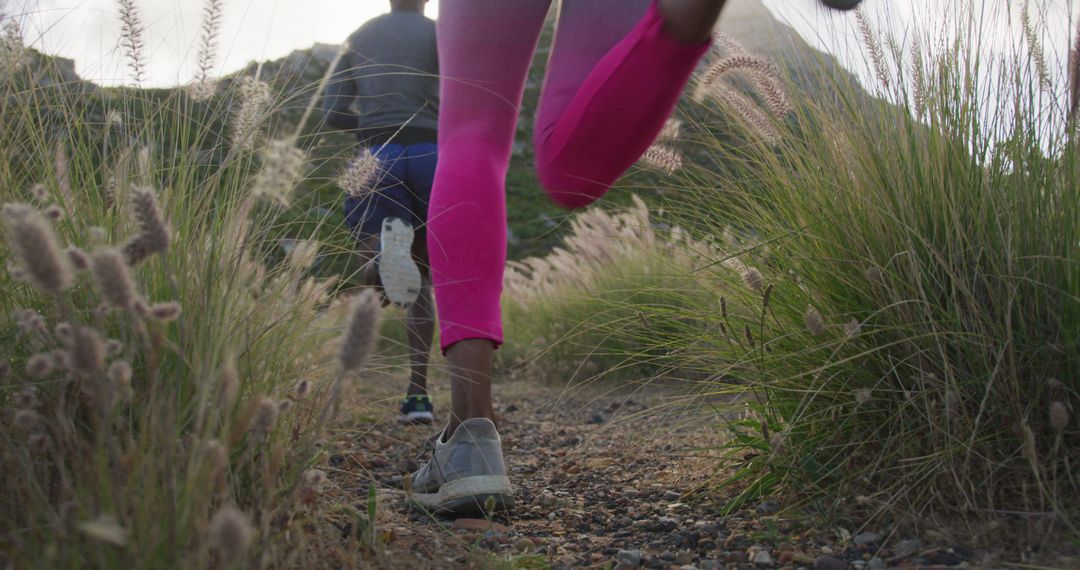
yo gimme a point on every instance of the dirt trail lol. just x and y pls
(604, 478)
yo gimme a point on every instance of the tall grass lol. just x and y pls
(578, 313)
(905, 319)
(163, 390)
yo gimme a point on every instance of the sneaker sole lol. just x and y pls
(426, 418)
(397, 270)
(469, 496)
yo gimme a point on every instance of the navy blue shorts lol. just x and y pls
(402, 190)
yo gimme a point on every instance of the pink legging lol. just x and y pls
(613, 78)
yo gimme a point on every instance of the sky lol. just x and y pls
(88, 30)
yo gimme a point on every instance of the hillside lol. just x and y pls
(535, 224)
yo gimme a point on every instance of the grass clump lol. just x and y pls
(579, 312)
(900, 300)
(163, 388)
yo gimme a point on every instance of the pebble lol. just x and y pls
(906, 548)
(672, 495)
(864, 538)
(683, 558)
(876, 563)
(629, 557)
(830, 563)
(523, 545)
(763, 558)
(547, 500)
(480, 525)
(767, 508)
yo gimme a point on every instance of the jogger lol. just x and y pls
(613, 78)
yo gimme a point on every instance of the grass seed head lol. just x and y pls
(852, 328)
(131, 38)
(34, 246)
(360, 174)
(113, 278)
(120, 373)
(113, 348)
(864, 396)
(749, 335)
(753, 279)
(86, 352)
(39, 366)
(27, 420)
(255, 99)
(663, 158)
(313, 480)
(282, 170)
(265, 416)
(302, 389)
(230, 534)
(154, 235)
(25, 399)
(1059, 416)
(78, 258)
(106, 529)
(228, 384)
(165, 312)
(215, 456)
(358, 342)
(37, 442)
(12, 48)
(815, 323)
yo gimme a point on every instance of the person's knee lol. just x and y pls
(565, 189)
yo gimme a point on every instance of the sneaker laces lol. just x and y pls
(429, 446)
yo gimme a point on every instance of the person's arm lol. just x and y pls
(339, 97)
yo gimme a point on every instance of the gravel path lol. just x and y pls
(604, 479)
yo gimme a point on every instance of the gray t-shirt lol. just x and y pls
(388, 78)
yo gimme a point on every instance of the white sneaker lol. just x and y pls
(466, 474)
(397, 270)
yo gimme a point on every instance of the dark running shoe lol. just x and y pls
(417, 410)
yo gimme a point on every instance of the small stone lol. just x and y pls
(830, 563)
(763, 558)
(683, 558)
(876, 563)
(547, 500)
(523, 545)
(858, 564)
(629, 557)
(672, 495)
(864, 538)
(767, 508)
(709, 565)
(480, 525)
(906, 548)
(737, 557)
(688, 567)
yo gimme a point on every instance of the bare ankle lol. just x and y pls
(690, 21)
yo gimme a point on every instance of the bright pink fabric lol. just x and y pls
(613, 79)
